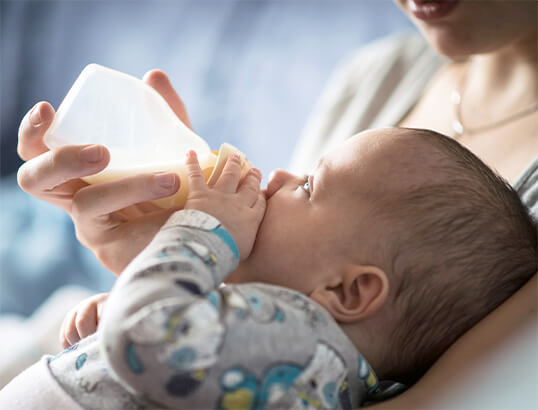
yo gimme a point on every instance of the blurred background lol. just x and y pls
(248, 71)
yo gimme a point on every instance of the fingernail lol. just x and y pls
(236, 157)
(92, 154)
(257, 172)
(35, 116)
(191, 154)
(166, 180)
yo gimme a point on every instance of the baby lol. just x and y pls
(397, 243)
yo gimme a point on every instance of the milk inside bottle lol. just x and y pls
(138, 127)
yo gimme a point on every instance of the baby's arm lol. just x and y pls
(172, 335)
(82, 320)
(162, 300)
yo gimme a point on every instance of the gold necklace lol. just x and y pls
(457, 123)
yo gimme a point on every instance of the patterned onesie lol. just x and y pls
(172, 336)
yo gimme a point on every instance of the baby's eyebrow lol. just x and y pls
(311, 177)
(319, 163)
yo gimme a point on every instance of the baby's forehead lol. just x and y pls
(391, 142)
(394, 157)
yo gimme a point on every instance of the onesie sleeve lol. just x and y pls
(173, 336)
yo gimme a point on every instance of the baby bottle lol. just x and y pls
(138, 127)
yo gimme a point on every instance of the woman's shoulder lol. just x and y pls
(397, 43)
(401, 49)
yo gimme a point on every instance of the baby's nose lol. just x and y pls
(277, 178)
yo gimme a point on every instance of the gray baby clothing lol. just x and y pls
(172, 337)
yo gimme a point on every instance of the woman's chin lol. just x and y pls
(449, 42)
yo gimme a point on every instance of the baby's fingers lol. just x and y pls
(68, 333)
(194, 173)
(259, 206)
(61, 338)
(86, 320)
(250, 187)
(229, 178)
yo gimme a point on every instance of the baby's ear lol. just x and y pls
(355, 295)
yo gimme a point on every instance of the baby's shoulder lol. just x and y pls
(267, 302)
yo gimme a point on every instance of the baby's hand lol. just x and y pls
(82, 320)
(239, 206)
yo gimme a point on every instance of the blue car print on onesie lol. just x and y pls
(242, 390)
(320, 384)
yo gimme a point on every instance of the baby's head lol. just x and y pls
(404, 236)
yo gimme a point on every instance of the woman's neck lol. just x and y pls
(507, 76)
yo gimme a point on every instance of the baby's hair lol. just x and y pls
(463, 243)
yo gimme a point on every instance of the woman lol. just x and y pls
(485, 98)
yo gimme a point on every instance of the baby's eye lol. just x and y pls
(305, 186)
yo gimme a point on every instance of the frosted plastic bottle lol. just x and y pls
(135, 123)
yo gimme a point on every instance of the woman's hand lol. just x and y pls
(238, 205)
(82, 320)
(114, 219)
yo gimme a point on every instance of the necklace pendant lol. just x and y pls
(456, 97)
(457, 126)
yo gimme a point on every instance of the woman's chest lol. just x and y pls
(508, 148)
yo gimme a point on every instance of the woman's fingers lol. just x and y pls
(32, 128)
(62, 195)
(249, 189)
(102, 199)
(229, 178)
(53, 168)
(159, 81)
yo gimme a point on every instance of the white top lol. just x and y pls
(36, 389)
